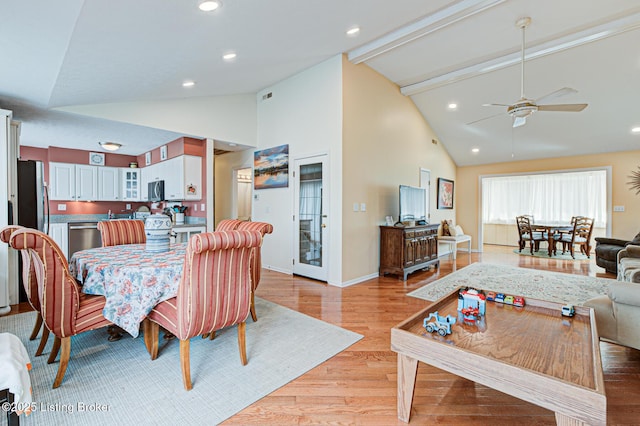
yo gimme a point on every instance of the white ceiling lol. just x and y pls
(78, 52)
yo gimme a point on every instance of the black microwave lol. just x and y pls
(156, 191)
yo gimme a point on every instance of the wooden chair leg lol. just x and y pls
(36, 327)
(185, 364)
(54, 351)
(43, 341)
(64, 361)
(151, 330)
(253, 309)
(242, 342)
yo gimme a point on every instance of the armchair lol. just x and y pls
(214, 293)
(618, 314)
(122, 231)
(607, 251)
(66, 311)
(629, 264)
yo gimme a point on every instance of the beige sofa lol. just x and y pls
(629, 264)
(618, 314)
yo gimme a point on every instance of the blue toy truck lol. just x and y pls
(442, 325)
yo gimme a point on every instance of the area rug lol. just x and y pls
(543, 285)
(558, 256)
(110, 383)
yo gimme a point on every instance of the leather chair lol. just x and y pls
(66, 311)
(618, 314)
(607, 251)
(214, 293)
(30, 284)
(256, 262)
(122, 231)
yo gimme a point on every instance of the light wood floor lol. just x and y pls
(358, 386)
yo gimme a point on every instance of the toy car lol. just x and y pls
(568, 311)
(508, 300)
(435, 322)
(470, 314)
(518, 301)
(499, 298)
(491, 296)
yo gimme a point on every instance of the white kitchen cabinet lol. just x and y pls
(183, 178)
(62, 181)
(60, 234)
(131, 184)
(109, 184)
(86, 183)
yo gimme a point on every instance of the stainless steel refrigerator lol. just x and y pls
(33, 202)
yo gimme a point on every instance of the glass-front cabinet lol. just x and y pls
(131, 184)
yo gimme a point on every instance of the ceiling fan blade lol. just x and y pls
(561, 92)
(497, 105)
(563, 107)
(485, 118)
(519, 121)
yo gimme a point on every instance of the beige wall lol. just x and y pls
(385, 143)
(625, 224)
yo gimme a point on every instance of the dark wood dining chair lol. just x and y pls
(122, 231)
(30, 284)
(214, 292)
(526, 234)
(580, 236)
(66, 311)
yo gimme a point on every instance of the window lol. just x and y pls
(550, 198)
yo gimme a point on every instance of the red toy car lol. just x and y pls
(518, 301)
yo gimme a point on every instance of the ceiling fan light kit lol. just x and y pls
(525, 107)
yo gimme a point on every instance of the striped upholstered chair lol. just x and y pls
(214, 292)
(122, 231)
(228, 225)
(66, 311)
(30, 285)
(256, 262)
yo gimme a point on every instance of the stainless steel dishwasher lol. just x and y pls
(82, 236)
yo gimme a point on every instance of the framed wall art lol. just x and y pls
(147, 159)
(163, 152)
(96, 159)
(445, 193)
(271, 167)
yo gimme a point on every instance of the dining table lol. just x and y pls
(551, 230)
(132, 279)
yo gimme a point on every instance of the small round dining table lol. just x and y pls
(551, 230)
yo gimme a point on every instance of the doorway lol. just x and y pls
(243, 183)
(310, 217)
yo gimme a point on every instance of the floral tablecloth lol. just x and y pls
(132, 279)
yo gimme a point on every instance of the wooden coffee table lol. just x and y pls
(532, 353)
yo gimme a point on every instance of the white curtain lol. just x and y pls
(550, 198)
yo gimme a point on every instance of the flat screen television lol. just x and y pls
(413, 204)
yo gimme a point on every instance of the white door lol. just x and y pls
(310, 217)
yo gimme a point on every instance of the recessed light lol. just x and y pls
(353, 31)
(636, 130)
(188, 83)
(452, 106)
(475, 150)
(209, 5)
(229, 56)
(232, 144)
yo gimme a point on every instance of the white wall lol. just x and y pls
(305, 111)
(224, 118)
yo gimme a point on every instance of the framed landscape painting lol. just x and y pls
(271, 168)
(445, 193)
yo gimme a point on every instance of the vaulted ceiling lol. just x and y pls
(467, 52)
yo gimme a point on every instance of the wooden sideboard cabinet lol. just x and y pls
(404, 250)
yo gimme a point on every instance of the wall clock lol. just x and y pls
(96, 159)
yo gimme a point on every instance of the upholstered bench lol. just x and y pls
(457, 236)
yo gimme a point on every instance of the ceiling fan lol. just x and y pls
(524, 107)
